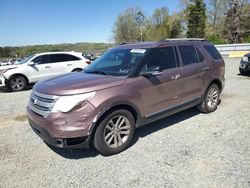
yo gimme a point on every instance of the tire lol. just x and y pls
(77, 70)
(211, 99)
(118, 124)
(242, 72)
(17, 83)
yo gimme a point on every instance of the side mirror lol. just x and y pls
(31, 63)
(152, 71)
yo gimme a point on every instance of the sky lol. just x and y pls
(31, 22)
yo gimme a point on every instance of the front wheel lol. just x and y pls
(211, 99)
(17, 83)
(115, 132)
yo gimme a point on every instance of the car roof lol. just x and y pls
(178, 41)
(60, 52)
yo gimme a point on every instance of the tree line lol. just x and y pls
(23, 51)
(219, 21)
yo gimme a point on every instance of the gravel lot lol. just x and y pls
(188, 149)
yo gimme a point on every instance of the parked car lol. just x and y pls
(245, 64)
(129, 86)
(39, 67)
(3, 63)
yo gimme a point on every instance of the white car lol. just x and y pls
(39, 67)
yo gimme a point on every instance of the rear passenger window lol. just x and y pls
(213, 51)
(164, 58)
(188, 55)
(62, 57)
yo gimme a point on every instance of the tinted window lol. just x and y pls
(62, 57)
(70, 57)
(41, 59)
(213, 51)
(164, 58)
(188, 55)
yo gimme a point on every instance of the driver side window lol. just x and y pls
(163, 58)
(41, 59)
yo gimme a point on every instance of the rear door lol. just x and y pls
(63, 63)
(195, 71)
(161, 93)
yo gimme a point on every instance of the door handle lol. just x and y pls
(69, 64)
(47, 67)
(206, 68)
(175, 77)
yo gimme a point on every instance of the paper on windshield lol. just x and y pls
(141, 51)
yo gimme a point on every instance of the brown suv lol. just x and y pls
(127, 87)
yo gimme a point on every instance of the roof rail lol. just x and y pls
(186, 39)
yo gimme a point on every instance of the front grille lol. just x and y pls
(42, 104)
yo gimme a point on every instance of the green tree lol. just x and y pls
(232, 25)
(176, 29)
(126, 27)
(196, 17)
(158, 25)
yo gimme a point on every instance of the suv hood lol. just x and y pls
(76, 83)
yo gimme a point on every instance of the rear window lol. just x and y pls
(213, 51)
(62, 57)
(188, 55)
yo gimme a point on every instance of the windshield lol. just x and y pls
(117, 62)
(24, 60)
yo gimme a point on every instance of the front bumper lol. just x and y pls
(70, 130)
(77, 142)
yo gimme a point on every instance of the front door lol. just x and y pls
(41, 68)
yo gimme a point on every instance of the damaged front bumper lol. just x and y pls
(64, 130)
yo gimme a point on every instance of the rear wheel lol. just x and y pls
(211, 99)
(115, 132)
(77, 70)
(17, 83)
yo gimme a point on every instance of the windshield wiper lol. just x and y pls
(97, 72)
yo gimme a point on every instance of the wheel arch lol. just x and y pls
(18, 74)
(217, 82)
(74, 70)
(118, 106)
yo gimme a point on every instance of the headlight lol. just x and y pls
(67, 103)
(245, 58)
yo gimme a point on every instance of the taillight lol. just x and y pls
(88, 62)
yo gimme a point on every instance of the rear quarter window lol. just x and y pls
(213, 52)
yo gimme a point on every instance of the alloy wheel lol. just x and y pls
(117, 131)
(212, 98)
(16, 84)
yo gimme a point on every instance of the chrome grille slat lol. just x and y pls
(42, 104)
